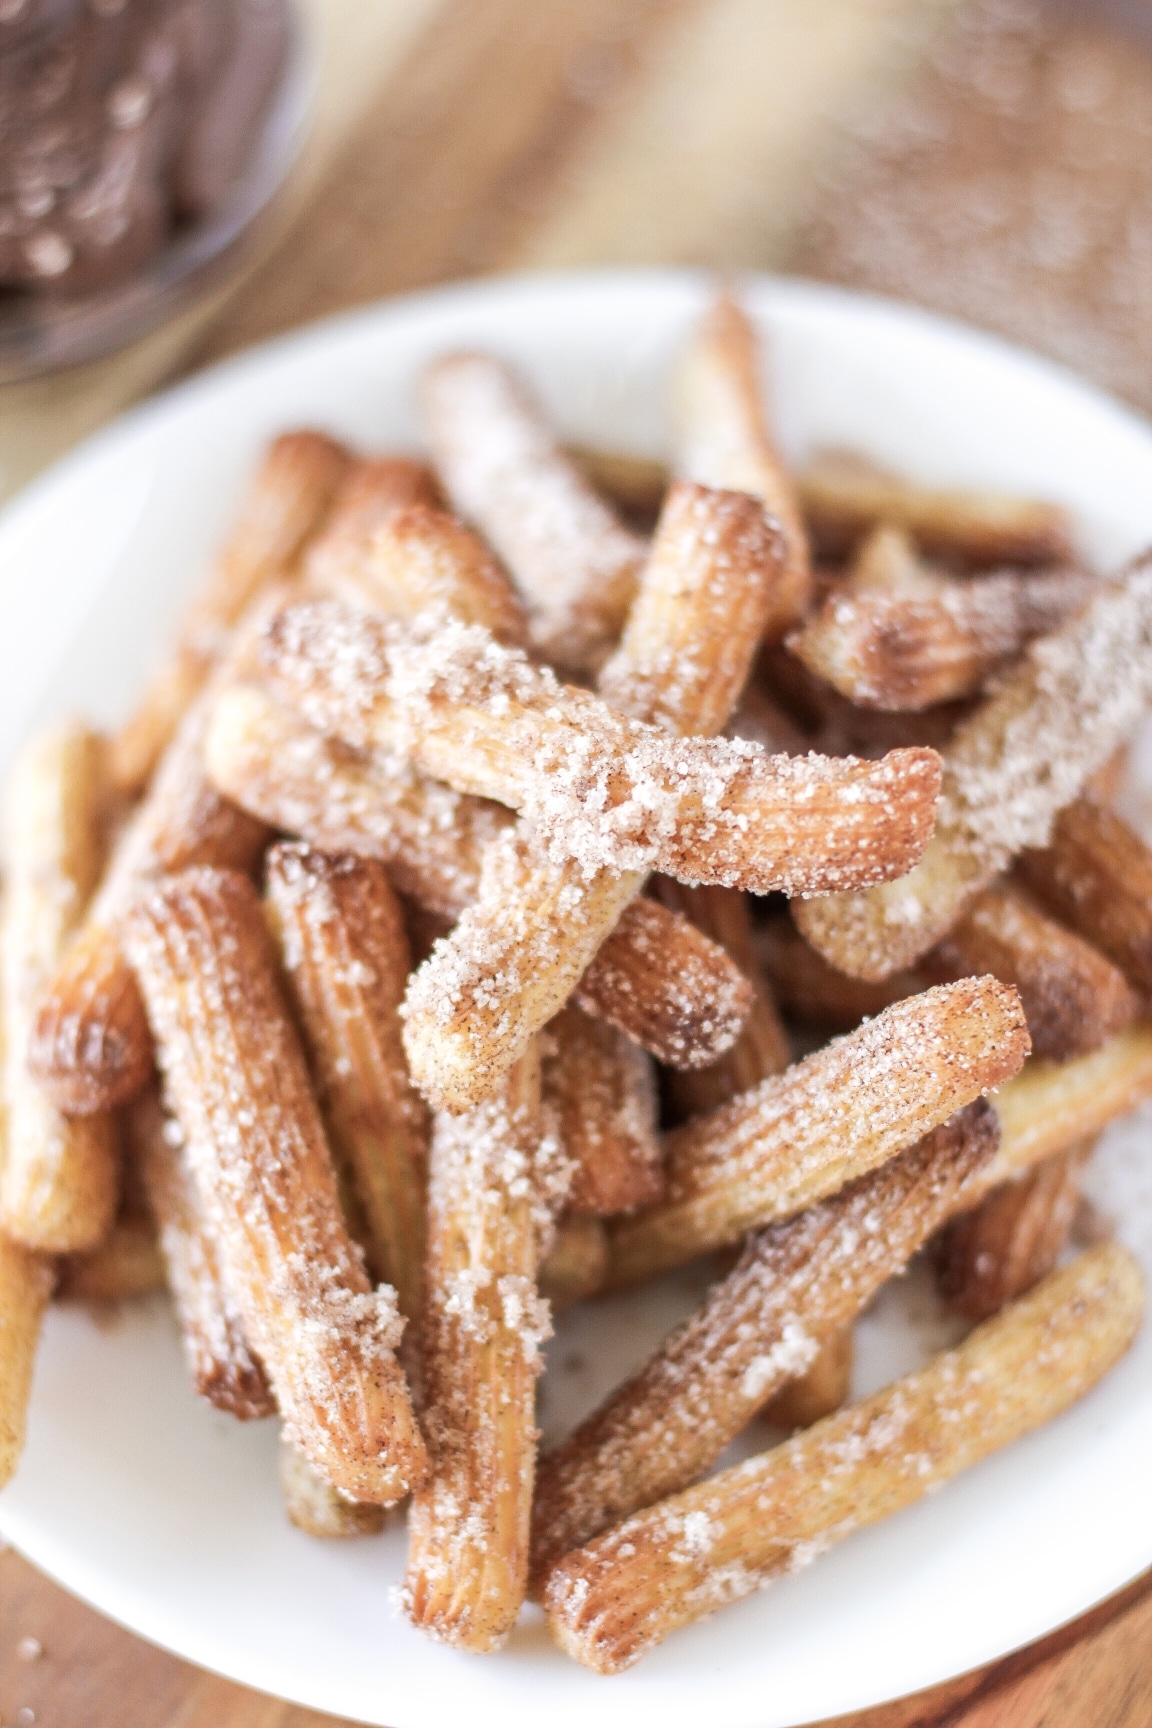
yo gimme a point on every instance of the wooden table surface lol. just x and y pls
(991, 159)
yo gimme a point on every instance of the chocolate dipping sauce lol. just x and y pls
(123, 123)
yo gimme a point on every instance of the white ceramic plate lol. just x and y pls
(165, 1514)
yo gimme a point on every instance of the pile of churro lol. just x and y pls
(534, 869)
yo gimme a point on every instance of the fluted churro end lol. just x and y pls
(90, 1046)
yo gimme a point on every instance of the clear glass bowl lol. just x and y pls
(44, 332)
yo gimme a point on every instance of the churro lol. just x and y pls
(58, 1186)
(315, 1507)
(929, 638)
(1096, 874)
(797, 1285)
(497, 1181)
(573, 561)
(844, 497)
(603, 1094)
(221, 1364)
(723, 439)
(1021, 758)
(700, 1550)
(656, 977)
(577, 1262)
(800, 1135)
(238, 1085)
(344, 949)
(1004, 1246)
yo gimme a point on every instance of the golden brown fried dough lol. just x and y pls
(602, 1093)
(496, 1183)
(577, 1262)
(800, 1135)
(58, 1186)
(255, 1145)
(694, 1553)
(222, 1366)
(128, 1264)
(573, 561)
(820, 1390)
(25, 1285)
(1096, 874)
(1004, 1246)
(344, 948)
(317, 1508)
(796, 1286)
(1022, 757)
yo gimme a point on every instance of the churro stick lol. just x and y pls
(573, 561)
(723, 439)
(286, 502)
(762, 1047)
(345, 952)
(237, 1081)
(1021, 758)
(1052, 1106)
(1074, 999)
(656, 977)
(603, 1093)
(1096, 875)
(317, 1508)
(844, 1110)
(844, 497)
(58, 1186)
(538, 923)
(126, 1265)
(422, 560)
(694, 1553)
(26, 1280)
(821, 1389)
(496, 1183)
(222, 1366)
(797, 1285)
(577, 1262)
(90, 1047)
(667, 986)
(932, 639)
(606, 791)
(372, 491)
(1004, 1246)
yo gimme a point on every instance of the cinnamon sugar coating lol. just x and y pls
(344, 950)
(696, 1552)
(371, 491)
(317, 1508)
(286, 502)
(723, 439)
(573, 561)
(497, 1182)
(800, 1135)
(931, 639)
(796, 1286)
(90, 1047)
(1074, 999)
(1022, 757)
(59, 1182)
(222, 1366)
(236, 1079)
(608, 792)
(656, 977)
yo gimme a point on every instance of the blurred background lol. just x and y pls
(989, 158)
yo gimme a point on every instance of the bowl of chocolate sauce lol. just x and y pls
(142, 145)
